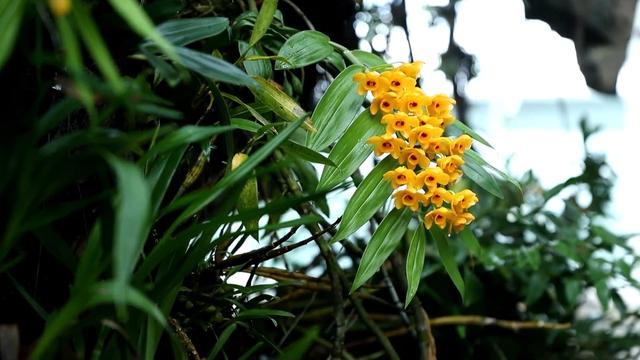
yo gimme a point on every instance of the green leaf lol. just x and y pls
(415, 262)
(351, 150)
(263, 21)
(603, 292)
(448, 260)
(279, 102)
(477, 158)
(572, 290)
(467, 130)
(336, 110)
(200, 199)
(368, 59)
(161, 174)
(222, 340)
(185, 135)
(471, 242)
(132, 220)
(257, 67)
(476, 173)
(10, 18)
(212, 67)
(181, 32)
(299, 349)
(537, 284)
(367, 200)
(304, 153)
(248, 199)
(262, 313)
(304, 48)
(140, 22)
(383, 242)
(473, 288)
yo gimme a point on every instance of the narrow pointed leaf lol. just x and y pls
(415, 262)
(10, 18)
(467, 130)
(471, 242)
(447, 258)
(367, 200)
(336, 110)
(351, 150)
(263, 21)
(368, 59)
(304, 48)
(476, 173)
(212, 67)
(261, 67)
(181, 32)
(383, 242)
(222, 340)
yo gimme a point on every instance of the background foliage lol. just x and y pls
(122, 214)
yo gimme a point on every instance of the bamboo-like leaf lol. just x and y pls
(140, 22)
(132, 220)
(384, 240)
(476, 173)
(368, 59)
(368, 198)
(471, 154)
(262, 313)
(257, 67)
(471, 242)
(263, 21)
(185, 135)
(222, 340)
(336, 110)
(415, 262)
(10, 18)
(467, 130)
(304, 153)
(351, 150)
(181, 32)
(278, 101)
(447, 258)
(304, 48)
(212, 67)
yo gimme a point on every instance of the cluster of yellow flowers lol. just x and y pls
(415, 124)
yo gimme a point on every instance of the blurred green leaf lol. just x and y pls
(299, 349)
(537, 285)
(471, 242)
(10, 18)
(604, 294)
(415, 262)
(367, 200)
(222, 340)
(336, 110)
(351, 150)
(304, 48)
(467, 130)
(383, 242)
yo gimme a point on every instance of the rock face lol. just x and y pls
(600, 29)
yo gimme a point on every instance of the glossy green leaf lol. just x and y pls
(415, 262)
(467, 130)
(263, 21)
(222, 340)
(383, 242)
(278, 101)
(304, 48)
(132, 220)
(257, 67)
(336, 110)
(476, 173)
(181, 32)
(10, 18)
(447, 258)
(367, 200)
(368, 59)
(185, 135)
(351, 150)
(477, 158)
(212, 67)
(140, 22)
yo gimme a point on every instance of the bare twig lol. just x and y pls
(300, 13)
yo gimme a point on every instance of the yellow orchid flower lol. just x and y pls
(411, 69)
(414, 157)
(60, 7)
(440, 145)
(439, 216)
(371, 81)
(447, 119)
(400, 122)
(385, 102)
(461, 144)
(450, 165)
(424, 135)
(400, 176)
(398, 81)
(410, 198)
(431, 177)
(431, 120)
(463, 200)
(440, 104)
(459, 220)
(387, 144)
(413, 102)
(439, 195)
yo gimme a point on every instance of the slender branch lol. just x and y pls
(184, 339)
(301, 13)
